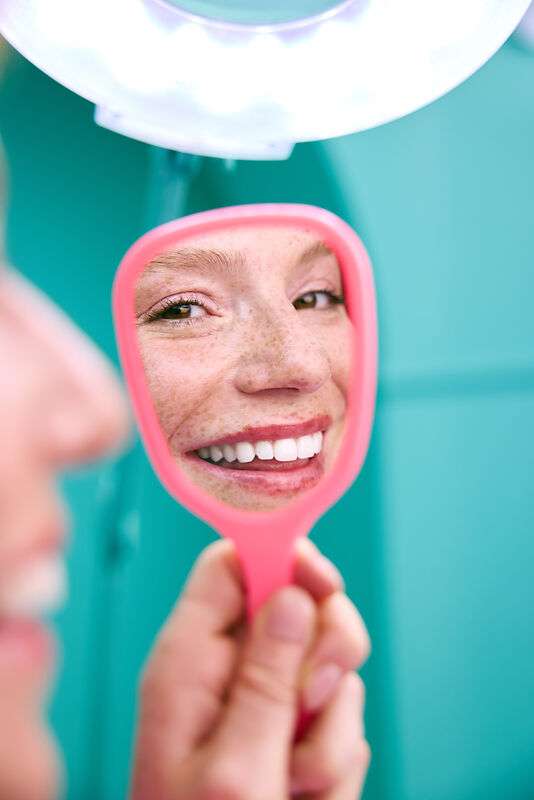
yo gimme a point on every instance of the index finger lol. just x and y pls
(214, 593)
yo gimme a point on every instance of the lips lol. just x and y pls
(26, 646)
(270, 432)
(37, 587)
(275, 459)
(271, 478)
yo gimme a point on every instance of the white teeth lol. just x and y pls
(216, 453)
(279, 450)
(264, 451)
(306, 446)
(229, 453)
(245, 452)
(37, 589)
(285, 450)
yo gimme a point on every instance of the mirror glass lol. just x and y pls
(246, 347)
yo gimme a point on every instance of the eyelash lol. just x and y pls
(165, 305)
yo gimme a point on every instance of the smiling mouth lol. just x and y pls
(37, 589)
(268, 459)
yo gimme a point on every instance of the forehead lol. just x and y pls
(257, 241)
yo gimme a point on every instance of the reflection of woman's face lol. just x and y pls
(246, 346)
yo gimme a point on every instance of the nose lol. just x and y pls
(281, 354)
(87, 418)
(79, 411)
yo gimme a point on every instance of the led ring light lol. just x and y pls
(162, 74)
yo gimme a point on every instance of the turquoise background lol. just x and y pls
(436, 538)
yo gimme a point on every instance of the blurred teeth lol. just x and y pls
(280, 450)
(37, 589)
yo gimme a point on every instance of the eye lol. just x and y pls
(177, 310)
(182, 310)
(318, 300)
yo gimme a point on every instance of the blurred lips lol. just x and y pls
(36, 586)
(25, 645)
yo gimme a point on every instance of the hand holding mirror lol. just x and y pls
(248, 341)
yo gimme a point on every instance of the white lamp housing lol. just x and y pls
(185, 82)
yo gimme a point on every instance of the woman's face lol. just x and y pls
(245, 342)
(60, 406)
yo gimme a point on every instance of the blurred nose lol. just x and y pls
(74, 400)
(281, 354)
(87, 419)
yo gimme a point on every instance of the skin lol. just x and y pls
(247, 354)
(208, 676)
(60, 407)
(218, 703)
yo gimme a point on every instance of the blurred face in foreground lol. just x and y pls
(60, 406)
(245, 342)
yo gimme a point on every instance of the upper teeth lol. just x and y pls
(279, 450)
(36, 589)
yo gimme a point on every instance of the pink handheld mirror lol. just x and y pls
(248, 340)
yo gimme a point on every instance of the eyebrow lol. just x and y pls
(207, 260)
(315, 250)
(198, 259)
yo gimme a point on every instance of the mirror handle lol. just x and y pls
(266, 570)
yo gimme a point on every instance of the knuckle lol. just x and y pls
(258, 681)
(345, 632)
(223, 781)
(149, 685)
(325, 770)
(353, 689)
(357, 687)
(153, 705)
(360, 645)
(362, 754)
(213, 555)
(366, 644)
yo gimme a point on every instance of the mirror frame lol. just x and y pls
(299, 514)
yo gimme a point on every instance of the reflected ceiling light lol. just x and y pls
(249, 78)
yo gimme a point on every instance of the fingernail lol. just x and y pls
(289, 617)
(321, 686)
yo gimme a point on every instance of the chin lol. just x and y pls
(30, 765)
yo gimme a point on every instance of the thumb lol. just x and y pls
(260, 716)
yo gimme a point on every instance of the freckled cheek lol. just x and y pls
(179, 379)
(339, 349)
